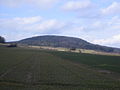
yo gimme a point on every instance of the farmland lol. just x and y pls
(29, 69)
(111, 63)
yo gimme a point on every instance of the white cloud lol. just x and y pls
(47, 3)
(50, 24)
(18, 23)
(4, 14)
(19, 28)
(83, 8)
(29, 26)
(47, 26)
(111, 24)
(31, 23)
(17, 36)
(104, 31)
(28, 20)
(108, 41)
(76, 5)
(114, 8)
(11, 3)
(35, 3)
(74, 31)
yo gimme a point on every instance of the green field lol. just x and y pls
(111, 63)
(29, 69)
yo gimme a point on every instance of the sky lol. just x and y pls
(97, 21)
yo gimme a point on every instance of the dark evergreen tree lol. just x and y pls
(2, 40)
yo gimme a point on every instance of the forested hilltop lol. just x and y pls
(66, 42)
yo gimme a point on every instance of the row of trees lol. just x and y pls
(2, 39)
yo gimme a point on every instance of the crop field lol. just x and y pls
(106, 62)
(29, 69)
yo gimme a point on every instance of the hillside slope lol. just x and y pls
(66, 42)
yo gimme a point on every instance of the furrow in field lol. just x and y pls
(12, 68)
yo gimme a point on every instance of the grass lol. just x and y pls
(25, 69)
(111, 63)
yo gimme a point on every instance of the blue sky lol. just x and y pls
(97, 21)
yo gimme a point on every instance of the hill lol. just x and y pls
(66, 42)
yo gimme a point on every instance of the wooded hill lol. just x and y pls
(66, 42)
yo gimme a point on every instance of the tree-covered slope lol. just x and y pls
(66, 42)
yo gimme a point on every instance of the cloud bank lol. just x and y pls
(76, 5)
(114, 8)
(34, 3)
(96, 21)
